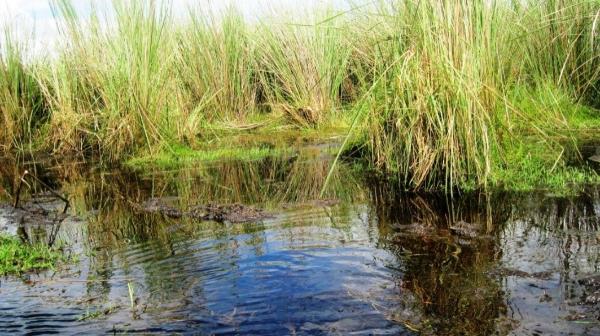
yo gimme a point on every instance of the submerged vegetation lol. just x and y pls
(18, 258)
(438, 94)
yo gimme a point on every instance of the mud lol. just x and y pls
(466, 230)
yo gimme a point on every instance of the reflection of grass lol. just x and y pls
(18, 258)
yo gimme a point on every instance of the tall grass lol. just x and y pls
(111, 88)
(22, 109)
(434, 92)
(215, 66)
(563, 45)
(302, 67)
(436, 87)
(438, 102)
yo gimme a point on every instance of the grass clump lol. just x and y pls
(17, 258)
(22, 107)
(215, 68)
(429, 107)
(111, 88)
(451, 81)
(302, 68)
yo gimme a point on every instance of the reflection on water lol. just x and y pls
(376, 262)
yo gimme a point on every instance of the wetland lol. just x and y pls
(364, 259)
(392, 167)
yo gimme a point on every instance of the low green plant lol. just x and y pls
(180, 156)
(17, 257)
(531, 165)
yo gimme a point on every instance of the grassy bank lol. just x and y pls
(17, 258)
(439, 94)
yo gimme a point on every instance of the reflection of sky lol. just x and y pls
(35, 17)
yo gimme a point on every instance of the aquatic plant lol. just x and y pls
(17, 257)
(22, 107)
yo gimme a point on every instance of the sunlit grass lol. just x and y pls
(22, 107)
(432, 90)
(178, 156)
(18, 258)
(440, 98)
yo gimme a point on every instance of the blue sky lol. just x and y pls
(34, 17)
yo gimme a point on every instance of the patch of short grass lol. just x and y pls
(178, 156)
(247, 142)
(541, 166)
(17, 257)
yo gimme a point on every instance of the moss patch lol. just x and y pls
(18, 258)
(179, 156)
(226, 143)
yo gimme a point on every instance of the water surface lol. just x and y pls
(373, 262)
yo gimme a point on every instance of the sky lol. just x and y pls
(35, 18)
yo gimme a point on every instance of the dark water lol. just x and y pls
(378, 262)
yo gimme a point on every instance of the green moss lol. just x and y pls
(18, 258)
(242, 142)
(178, 156)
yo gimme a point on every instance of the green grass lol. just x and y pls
(215, 68)
(541, 166)
(255, 140)
(442, 98)
(179, 156)
(17, 258)
(438, 94)
(22, 107)
(302, 68)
